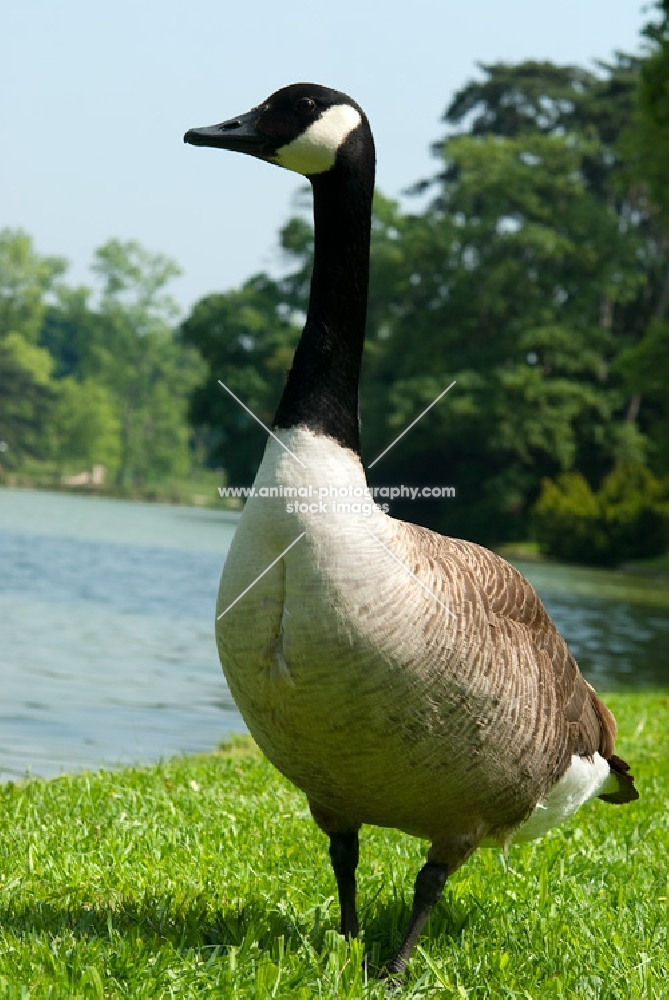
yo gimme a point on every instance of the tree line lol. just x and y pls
(535, 272)
(91, 378)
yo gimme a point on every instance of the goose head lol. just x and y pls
(305, 127)
(325, 136)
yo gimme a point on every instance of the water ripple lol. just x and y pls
(106, 631)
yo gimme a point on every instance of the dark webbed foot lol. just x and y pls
(344, 853)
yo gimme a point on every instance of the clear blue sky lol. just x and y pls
(96, 98)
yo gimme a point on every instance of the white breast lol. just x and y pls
(315, 654)
(354, 659)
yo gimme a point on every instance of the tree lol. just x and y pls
(83, 429)
(26, 391)
(26, 279)
(133, 353)
(515, 283)
(530, 272)
(84, 384)
(247, 338)
(70, 331)
(26, 399)
(627, 518)
(644, 365)
(651, 132)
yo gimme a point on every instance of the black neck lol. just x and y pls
(321, 390)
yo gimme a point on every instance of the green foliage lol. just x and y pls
(247, 340)
(535, 274)
(70, 331)
(651, 135)
(530, 278)
(135, 356)
(26, 278)
(26, 398)
(84, 426)
(517, 287)
(627, 518)
(83, 385)
(207, 877)
(644, 365)
(25, 369)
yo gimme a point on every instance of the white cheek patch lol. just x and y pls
(315, 150)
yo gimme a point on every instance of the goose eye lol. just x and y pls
(306, 104)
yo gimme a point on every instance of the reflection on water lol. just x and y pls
(617, 626)
(107, 652)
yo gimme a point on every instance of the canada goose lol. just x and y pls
(397, 677)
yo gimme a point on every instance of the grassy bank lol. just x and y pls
(197, 490)
(657, 566)
(205, 877)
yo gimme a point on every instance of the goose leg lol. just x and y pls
(427, 892)
(445, 857)
(344, 857)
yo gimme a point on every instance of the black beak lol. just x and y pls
(238, 134)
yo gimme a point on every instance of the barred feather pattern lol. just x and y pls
(396, 676)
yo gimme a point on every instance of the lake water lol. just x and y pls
(107, 654)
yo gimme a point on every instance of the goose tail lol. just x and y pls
(619, 786)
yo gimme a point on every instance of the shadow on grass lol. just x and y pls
(197, 923)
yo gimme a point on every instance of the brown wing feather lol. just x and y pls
(510, 601)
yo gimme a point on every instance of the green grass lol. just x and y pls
(205, 877)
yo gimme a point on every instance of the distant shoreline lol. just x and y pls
(181, 494)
